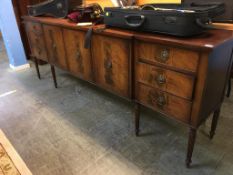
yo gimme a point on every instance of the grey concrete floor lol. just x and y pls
(79, 129)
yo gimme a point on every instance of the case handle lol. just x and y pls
(204, 25)
(135, 25)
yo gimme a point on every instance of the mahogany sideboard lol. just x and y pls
(182, 78)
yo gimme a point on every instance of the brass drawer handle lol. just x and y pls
(161, 101)
(164, 55)
(161, 79)
(155, 98)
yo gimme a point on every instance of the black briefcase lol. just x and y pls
(179, 20)
(55, 8)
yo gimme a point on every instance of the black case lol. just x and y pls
(55, 8)
(180, 20)
(227, 17)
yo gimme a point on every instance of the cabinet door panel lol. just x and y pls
(78, 58)
(112, 61)
(36, 40)
(55, 46)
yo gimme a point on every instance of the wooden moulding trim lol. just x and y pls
(176, 44)
(199, 89)
(98, 29)
(187, 72)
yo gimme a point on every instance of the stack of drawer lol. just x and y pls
(165, 78)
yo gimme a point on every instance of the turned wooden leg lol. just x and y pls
(191, 142)
(54, 76)
(214, 123)
(137, 118)
(229, 88)
(37, 68)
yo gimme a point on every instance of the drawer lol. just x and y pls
(161, 54)
(164, 103)
(78, 58)
(55, 46)
(170, 81)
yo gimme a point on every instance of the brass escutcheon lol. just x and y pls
(164, 55)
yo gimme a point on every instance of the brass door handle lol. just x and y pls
(78, 55)
(54, 46)
(108, 64)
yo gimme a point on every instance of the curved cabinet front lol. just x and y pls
(55, 46)
(78, 58)
(112, 64)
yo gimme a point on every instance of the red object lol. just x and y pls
(88, 13)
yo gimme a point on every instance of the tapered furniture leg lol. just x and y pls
(137, 118)
(37, 68)
(214, 123)
(54, 76)
(191, 142)
(229, 88)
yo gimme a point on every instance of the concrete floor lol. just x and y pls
(79, 129)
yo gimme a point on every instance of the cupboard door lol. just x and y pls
(112, 64)
(55, 46)
(36, 40)
(78, 58)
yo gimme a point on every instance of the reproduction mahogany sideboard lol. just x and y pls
(182, 78)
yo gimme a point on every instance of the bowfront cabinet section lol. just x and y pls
(36, 40)
(78, 58)
(112, 64)
(55, 46)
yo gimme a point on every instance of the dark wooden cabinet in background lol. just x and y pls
(184, 79)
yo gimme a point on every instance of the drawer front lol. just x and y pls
(78, 58)
(36, 40)
(173, 57)
(55, 46)
(170, 81)
(162, 102)
(111, 61)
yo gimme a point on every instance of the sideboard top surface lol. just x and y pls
(206, 41)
